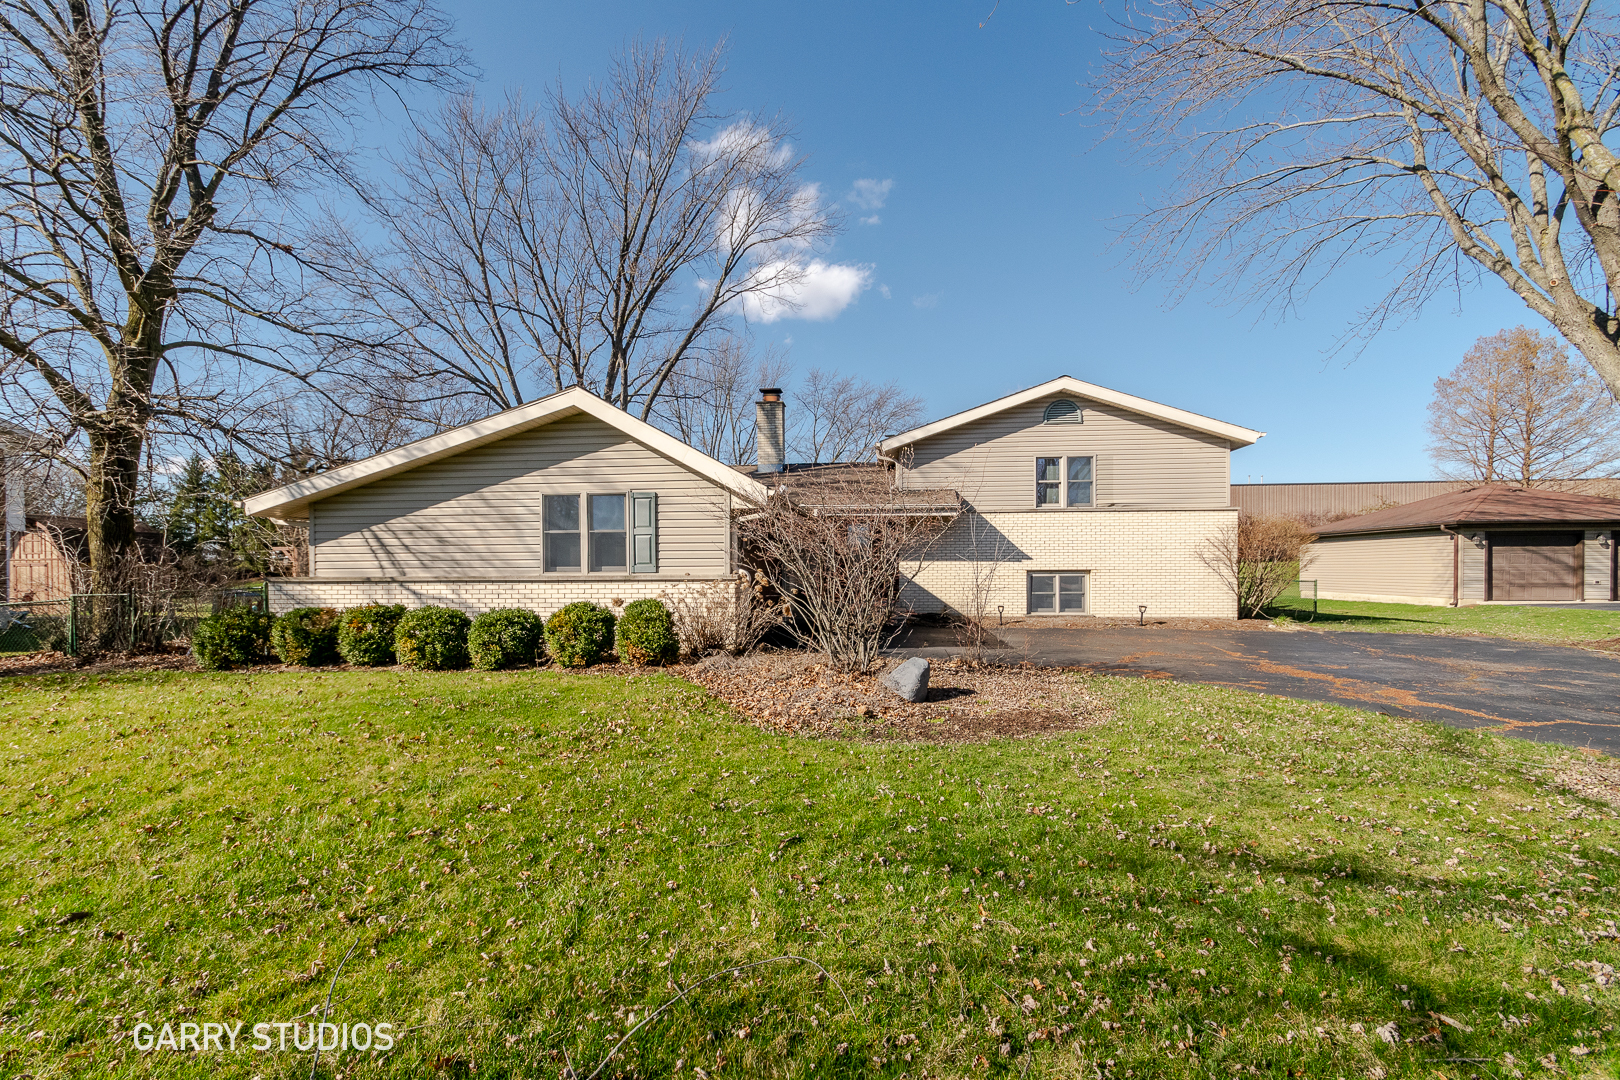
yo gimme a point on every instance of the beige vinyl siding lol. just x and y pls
(1596, 579)
(478, 514)
(1406, 568)
(1141, 463)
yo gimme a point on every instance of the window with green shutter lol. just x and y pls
(643, 532)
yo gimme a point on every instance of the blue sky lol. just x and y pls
(992, 266)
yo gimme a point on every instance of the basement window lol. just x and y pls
(1057, 593)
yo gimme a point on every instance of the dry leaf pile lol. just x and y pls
(798, 693)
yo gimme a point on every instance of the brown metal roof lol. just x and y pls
(1485, 505)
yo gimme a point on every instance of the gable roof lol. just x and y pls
(292, 501)
(1240, 436)
(1491, 504)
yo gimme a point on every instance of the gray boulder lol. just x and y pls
(909, 680)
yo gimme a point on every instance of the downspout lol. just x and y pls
(1456, 564)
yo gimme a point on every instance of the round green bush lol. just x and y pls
(505, 637)
(432, 639)
(366, 634)
(307, 636)
(646, 634)
(230, 638)
(580, 634)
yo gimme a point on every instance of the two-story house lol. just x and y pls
(1070, 499)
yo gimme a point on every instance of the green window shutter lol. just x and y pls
(643, 532)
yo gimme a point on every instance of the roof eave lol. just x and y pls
(291, 502)
(1232, 433)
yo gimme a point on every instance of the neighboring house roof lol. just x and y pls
(292, 501)
(1064, 384)
(837, 486)
(1492, 505)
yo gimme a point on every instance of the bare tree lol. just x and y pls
(601, 241)
(152, 157)
(838, 545)
(1516, 409)
(843, 418)
(1258, 558)
(709, 402)
(1456, 138)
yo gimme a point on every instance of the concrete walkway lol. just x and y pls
(1544, 692)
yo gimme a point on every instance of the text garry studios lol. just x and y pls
(266, 1037)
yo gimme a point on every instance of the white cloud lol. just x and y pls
(818, 291)
(873, 220)
(870, 194)
(927, 300)
(884, 289)
(743, 140)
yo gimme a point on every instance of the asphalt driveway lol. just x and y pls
(1545, 692)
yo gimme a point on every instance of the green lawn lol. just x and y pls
(1521, 623)
(525, 864)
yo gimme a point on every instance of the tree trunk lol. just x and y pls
(115, 454)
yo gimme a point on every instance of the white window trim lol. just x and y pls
(1063, 483)
(1085, 607)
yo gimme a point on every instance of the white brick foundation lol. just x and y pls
(473, 596)
(1132, 557)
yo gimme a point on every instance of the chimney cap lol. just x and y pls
(772, 393)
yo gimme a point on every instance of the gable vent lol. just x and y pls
(1062, 411)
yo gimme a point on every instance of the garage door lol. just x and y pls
(1536, 566)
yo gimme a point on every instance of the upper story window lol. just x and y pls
(1064, 481)
(1063, 411)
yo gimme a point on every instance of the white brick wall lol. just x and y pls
(1132, 557)
(472, 597)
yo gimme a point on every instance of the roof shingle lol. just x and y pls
(1491, 504)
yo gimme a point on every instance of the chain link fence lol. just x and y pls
(132, 622)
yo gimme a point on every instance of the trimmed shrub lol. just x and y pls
(432, 639)
(366, 634)
(646, 634)
(307, 636)
(579, 634)
(231, 638)
(505, 637)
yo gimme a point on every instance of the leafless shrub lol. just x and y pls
(1258, 558)
(726, 616)
(839, 546)
(989, 550)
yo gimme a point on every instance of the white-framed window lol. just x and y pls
(604, 533)
(1065, 480)
(1057, 592)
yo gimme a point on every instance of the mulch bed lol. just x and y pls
(51, 663)
(797, 693)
